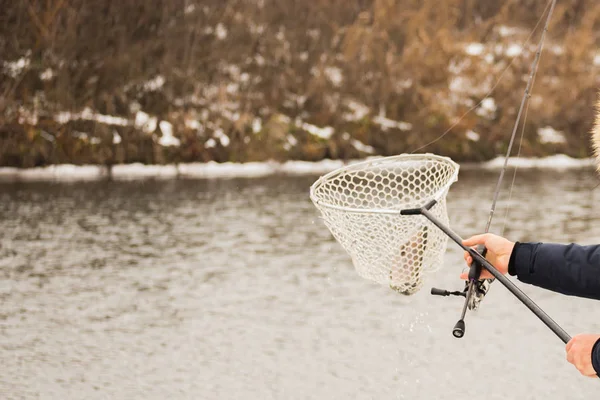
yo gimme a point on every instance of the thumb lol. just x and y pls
(475, 240)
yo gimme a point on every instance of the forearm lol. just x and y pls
(572, 269)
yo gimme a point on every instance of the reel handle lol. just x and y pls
(439, 292)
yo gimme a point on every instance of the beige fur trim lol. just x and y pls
(596, 136)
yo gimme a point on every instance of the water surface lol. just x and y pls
(234, 289)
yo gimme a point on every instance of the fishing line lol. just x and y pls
(525, 100)
(510, 192)
(476, 288)
(491, 90)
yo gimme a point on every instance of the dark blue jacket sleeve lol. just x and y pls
(596, 357)
(569, 269)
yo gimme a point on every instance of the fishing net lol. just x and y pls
(361, 204)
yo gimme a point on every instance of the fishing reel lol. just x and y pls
(473, 292)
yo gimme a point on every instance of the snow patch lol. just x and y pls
(505, 31)
(256, 125)
(514, 50)
(154, 84)
(79, 135)
(387, 123)
(360, 146)
(193, 124)
(358, 111)
(487, 109)
(210, 143)
(145, 122)
(223, 138)
(474, 49)
(550, 135)
(292, 140)
(323, 133)
(472, 135)
(47, 75)
(15, 68)
(221, 31)
(116, 138)
(167, 138)
(27, 117)
(89, 115)
(334, 75)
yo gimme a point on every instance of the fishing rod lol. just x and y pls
(475, 288)
(481, 261)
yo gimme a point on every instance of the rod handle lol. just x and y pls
(476, 267)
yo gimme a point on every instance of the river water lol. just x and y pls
(234, 289)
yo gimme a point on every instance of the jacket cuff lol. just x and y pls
(523, 260)
(512, 270)
(596, 357)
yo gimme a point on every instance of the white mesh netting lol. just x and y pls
(361, 204)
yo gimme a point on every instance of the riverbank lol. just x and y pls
(213, 170)
(370, 79)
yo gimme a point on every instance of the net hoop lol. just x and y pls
(361, 205)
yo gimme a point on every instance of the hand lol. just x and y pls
(579, 353)
(498, 253)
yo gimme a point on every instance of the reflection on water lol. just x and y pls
(234, 289)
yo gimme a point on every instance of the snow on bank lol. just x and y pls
(556, 162)
(213, 170)
(63, 172)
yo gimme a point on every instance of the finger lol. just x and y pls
(571, 357)
(578, 361)
(583, 363)
(485, 274)
(475, 240)
(570, 344)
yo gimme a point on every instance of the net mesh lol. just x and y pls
(361, 204)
